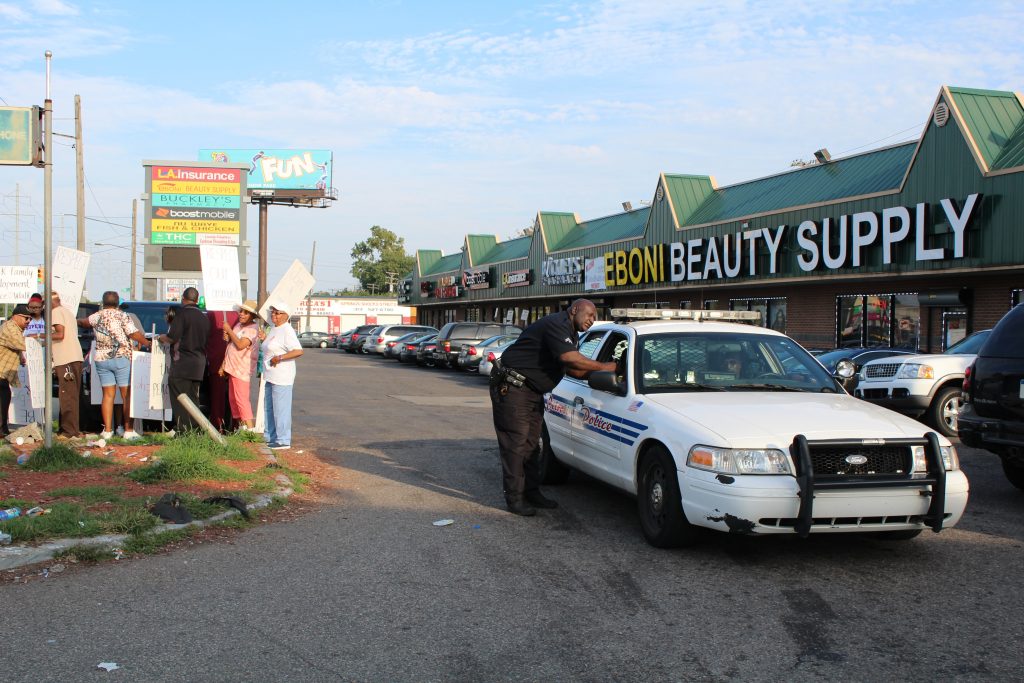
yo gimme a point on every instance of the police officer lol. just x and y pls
(530, 368)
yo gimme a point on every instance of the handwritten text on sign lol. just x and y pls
(69, 269)
(17, 284)
(221, 284)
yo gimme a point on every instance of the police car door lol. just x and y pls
(559, 406)
(597, 421)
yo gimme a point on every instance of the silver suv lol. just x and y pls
(378, 342)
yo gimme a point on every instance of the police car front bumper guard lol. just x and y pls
(808, 482)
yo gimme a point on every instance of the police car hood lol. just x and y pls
(748, 419)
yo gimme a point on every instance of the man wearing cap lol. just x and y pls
(67, 364)
(239, 362)
(12, 345)
(189, 330)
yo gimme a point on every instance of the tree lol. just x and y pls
(380, 260)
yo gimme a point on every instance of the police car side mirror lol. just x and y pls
(604, 380)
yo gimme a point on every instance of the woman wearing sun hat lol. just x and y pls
(240, 361)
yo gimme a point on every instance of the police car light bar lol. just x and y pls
(685, 314)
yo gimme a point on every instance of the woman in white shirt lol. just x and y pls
(280, 348)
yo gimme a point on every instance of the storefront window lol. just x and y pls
(878, 320)
(954, 328)
(773, 311)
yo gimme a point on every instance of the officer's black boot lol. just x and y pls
(518, 506)
(538, 499)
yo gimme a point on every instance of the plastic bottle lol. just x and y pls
(23, 458)
(5, 539)
(10, 513)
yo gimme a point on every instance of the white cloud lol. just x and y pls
(12, 13)
(54, 8)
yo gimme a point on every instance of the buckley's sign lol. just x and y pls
(829, 243)
(562, 271)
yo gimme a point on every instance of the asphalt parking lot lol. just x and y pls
(367, 588)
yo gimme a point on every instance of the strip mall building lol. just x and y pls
(917, 244)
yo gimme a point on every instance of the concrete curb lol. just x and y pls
(14, 556)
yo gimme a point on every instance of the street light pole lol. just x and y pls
(48, 262)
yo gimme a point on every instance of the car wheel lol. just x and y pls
(1014, 473)
(660, 505)
(323, 345)
(942, 413)
(552, 470)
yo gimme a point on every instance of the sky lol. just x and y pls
(449, 118)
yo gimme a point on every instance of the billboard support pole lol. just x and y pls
(261, 290)
(48, 262)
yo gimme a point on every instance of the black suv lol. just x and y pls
(453, 335)
(992, 416)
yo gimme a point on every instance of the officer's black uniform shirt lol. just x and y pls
(189, 330)
(535, 353)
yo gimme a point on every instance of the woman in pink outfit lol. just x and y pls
(240, 362)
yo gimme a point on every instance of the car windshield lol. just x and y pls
(970, 345)
(681, 362)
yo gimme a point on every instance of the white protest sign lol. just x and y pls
(17, 284)
(261, 413)
(290, 290)
(21, 412)
(222, 286)
(69, 269)
(36, 375)
(594, 274)
(95, 388)
(158, 378)
(141, 369)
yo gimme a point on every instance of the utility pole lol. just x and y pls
(80, 174)
(134, 213)
(48, 262)
(312, 264)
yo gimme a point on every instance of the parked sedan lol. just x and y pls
(470, 355)
(341, 341)
(394, 347)
(487, 363)
(859, 355)
(310, 340)
(425, 351)
(357, 334)
(410, 348)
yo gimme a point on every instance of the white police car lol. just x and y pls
(737, 428)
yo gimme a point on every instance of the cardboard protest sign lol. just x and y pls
(68, 279)
(261, 413)
(17, 284)
(21, 411)
(158, 392)
(140, 409)
(36, 374)
(222, 286)
(290, 290)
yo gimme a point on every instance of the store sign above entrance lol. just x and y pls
(448, 287)
(516, 278)
(562, 271)
(826, 244)
(477, 279)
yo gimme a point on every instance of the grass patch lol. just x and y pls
(198, 509)
(193, 457)
(246, 436)
(66, 520)
(16, 503)
(60, 458)
(7, 457)
(127, 519)
(146, 544)
(84, 553)
(90, 495)
(150, 439)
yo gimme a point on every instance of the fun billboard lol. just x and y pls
(278, 169)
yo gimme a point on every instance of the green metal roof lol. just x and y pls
(1012, 155)
(687, 193)
(556, 226)
(614, 228)
(432, 262)
(875, 171)
(506, 251)
(993, 118)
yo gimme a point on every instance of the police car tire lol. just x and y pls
(552, 470)
(659, 503)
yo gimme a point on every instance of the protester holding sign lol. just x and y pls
(67, 365)
(280, 349)
(36, 326)
(187, 336)
(239, 362)
(113, 360)
(12, 344)
(216, 347)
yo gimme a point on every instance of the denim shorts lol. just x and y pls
(114, 371)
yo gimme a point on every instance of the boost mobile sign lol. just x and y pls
(828, 243)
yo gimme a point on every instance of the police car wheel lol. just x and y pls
(661, 511)
(552, 470)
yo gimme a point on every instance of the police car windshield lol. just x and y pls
(682, 362)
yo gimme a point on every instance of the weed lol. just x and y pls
(64, 520)
(90, 495)
(150, 439)
(245, 436)
(58, 458)
(16, 503)
(84, 553)
(146, 544)
(198, 509)
(192, 458)
(127, 519)
(233, 522)
(7, 456)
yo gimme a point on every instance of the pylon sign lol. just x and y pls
(21, 138)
